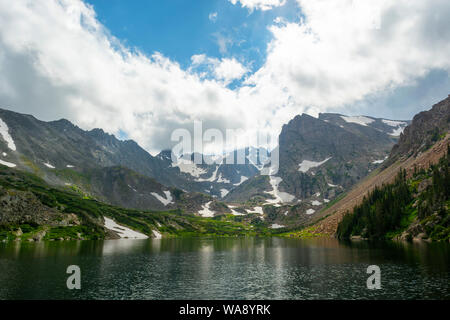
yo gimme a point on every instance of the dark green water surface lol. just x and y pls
(243, 268)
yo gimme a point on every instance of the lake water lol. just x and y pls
(243, 268)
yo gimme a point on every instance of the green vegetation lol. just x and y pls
(72, 232)
(305, 233)
(391, 209)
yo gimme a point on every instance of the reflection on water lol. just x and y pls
(242, 268)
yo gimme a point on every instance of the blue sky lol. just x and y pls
(180, 29)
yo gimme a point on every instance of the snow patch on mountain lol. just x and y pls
(122, 231)
(276, 226)
(243, 179)
(8, 164)
(223, 192)
(212, 178)
(258, 210)
(157, 234)
(379, 161)
(206, 212)
(48, 165)
(316, 203)
(393, 123)
(189, 167)
(398, 125)
(223, 180)
(305, 165)
(234, 212)
(4, 132)
(332, 185)
(361, 120)
(165, 201)
(310, 211)
(397, 132)
(280, 197)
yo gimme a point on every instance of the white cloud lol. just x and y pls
(259, 4)
(343, 52)
(212, 16)
(223, 42)
(229, 70)
(224, 69)
(57, 60)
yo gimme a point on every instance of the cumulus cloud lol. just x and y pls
(345, 50)
(259, 4)
(212, 16)
(57, 60)
(225, 69)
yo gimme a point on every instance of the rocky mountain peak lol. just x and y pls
(426, 128)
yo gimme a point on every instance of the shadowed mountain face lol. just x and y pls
(60, 144)
(105, 167)
(315, 154)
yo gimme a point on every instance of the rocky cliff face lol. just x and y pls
(426, 128)
(315, 154)
(320, 158)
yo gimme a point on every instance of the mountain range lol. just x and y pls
(321, 159)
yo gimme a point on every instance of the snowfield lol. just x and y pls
(276, 226)
(157, 234)
(280, 197)
(165, 201)
(258, 210)
(189, 167)
(398, 125)
(210, 179)
(307, 164)
(243, 179)
(361, 120)
(310, 211)
(393, 123)
(122, 231)
(316, 203)
(332, 185)
(223, 180)
(8, 164)
(380, 161)
(4, 132)
(234, 212)
(397, 132)
(48, 165)
(206, 212)
(223, 192)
